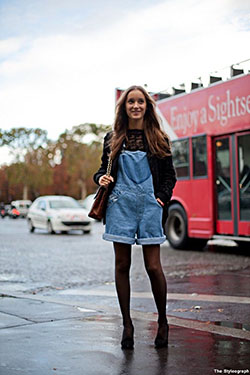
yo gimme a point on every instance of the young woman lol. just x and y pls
(140, 186)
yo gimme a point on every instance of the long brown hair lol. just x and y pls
(158, 140)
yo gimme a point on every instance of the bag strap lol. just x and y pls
(109, 166)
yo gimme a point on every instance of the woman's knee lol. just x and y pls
(122, 265)
(122, 257)
(153, 269)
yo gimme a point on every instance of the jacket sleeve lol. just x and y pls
(167, 179)
(104, 160)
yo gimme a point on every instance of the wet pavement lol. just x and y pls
(59, 312)
(56, 335)
(35, 262)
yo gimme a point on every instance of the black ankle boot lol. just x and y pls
(162, 341)
(127, 340)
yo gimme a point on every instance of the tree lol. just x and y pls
(4, 185)
(78, 152)
(28, 148)
(65, 166)
(23, 140)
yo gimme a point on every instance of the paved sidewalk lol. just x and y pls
(43, 336)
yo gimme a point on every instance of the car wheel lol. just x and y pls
(31, 227)
(50, 228)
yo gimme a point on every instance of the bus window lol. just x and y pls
(199, 146)
(223, 179)
(181, 157)
(244, 176)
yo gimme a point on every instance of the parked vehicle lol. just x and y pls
(13, 213)
(58, 213)
(3, 211)
(22, 206)
(7, 208)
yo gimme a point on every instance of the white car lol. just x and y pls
(22, 206)
(58, 213)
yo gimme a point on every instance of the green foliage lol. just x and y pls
(24, 138)
(1, 137)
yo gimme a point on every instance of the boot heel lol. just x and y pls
(127, 341)
(160, 341)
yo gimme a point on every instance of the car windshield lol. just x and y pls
(64, 203)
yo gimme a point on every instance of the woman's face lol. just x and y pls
(136, 105)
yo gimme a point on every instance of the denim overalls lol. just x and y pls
(133, 213)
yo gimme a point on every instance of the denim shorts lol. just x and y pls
(133, 215)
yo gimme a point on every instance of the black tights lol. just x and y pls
(151, 254)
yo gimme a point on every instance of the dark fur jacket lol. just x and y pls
(162, 169)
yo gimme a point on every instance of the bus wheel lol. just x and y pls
(176, 227)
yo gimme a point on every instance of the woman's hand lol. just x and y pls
(105, 180)
(159, 201)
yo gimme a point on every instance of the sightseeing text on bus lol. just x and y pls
(224, 104)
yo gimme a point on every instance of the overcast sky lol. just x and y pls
(60, 60)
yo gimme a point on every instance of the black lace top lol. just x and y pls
(134, 141)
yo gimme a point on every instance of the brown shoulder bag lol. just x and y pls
(101, 198)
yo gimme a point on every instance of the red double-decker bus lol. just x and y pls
(210, 133)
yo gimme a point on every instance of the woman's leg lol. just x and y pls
(153, 267)
(151, 254)
(122, 268)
